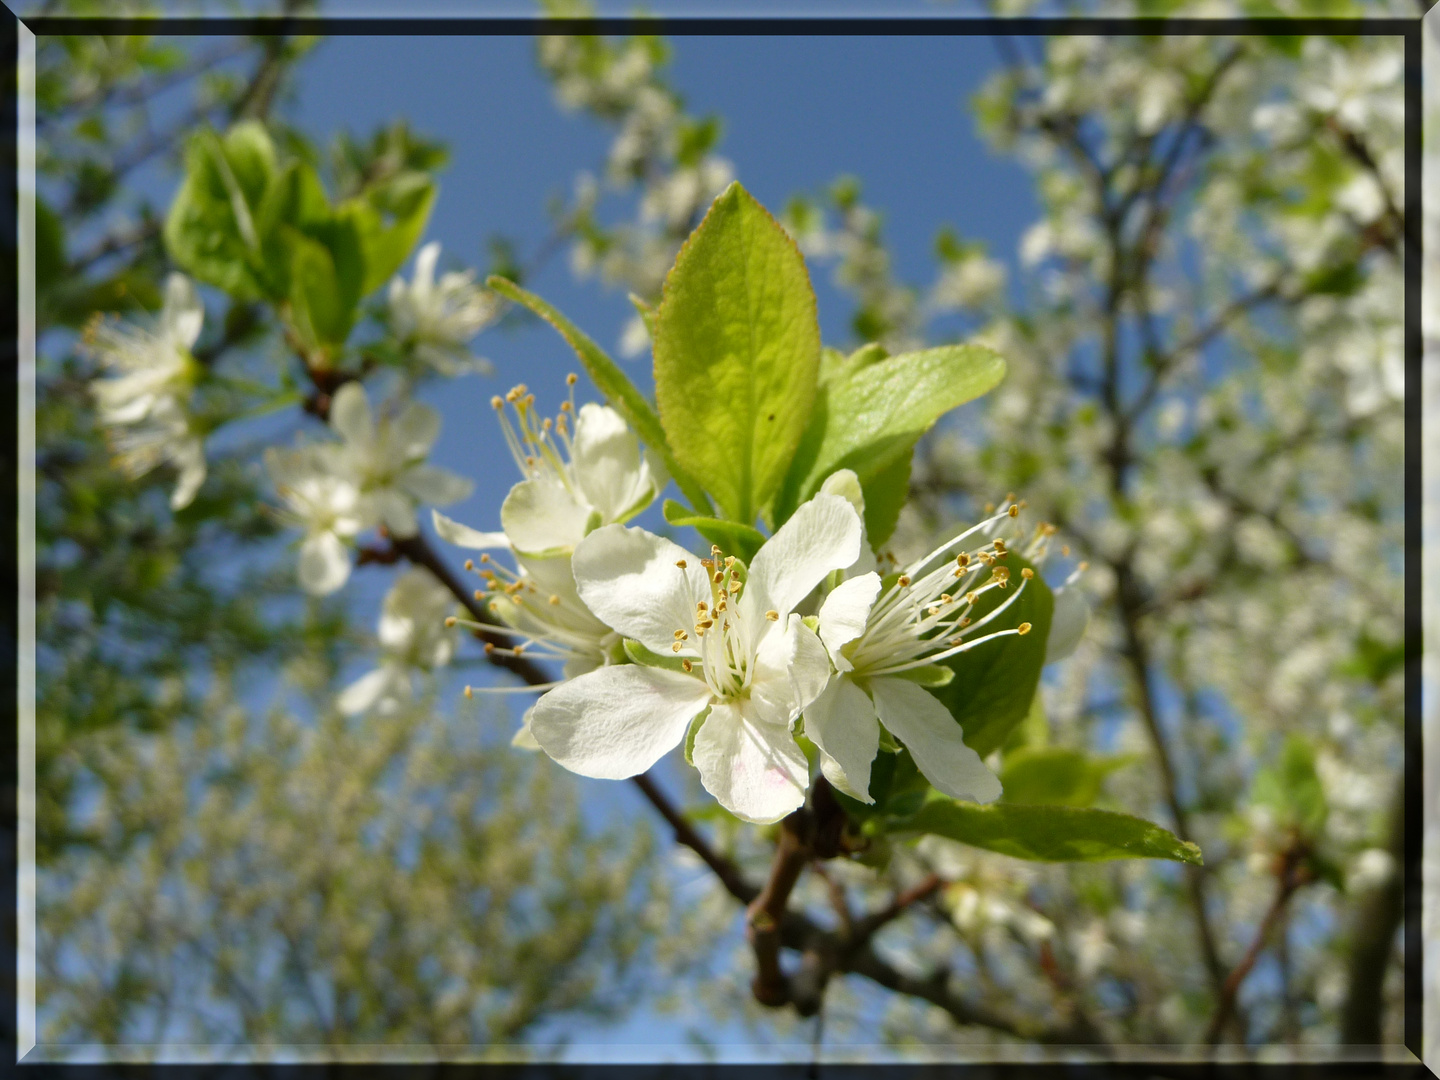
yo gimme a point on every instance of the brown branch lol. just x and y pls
(1291, 873)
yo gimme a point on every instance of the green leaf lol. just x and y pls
(1055, 776)
(318, 308)
(1291, 787)
(885, 494)
(611, 381)
(870, 414)
(1049, 833)
(408, 200)
(740, 540)
(737, 352)
(646, 313)
(995, 682)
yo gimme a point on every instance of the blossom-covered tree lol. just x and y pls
(895, 662)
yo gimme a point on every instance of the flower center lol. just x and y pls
(719, 633)
(536, 442)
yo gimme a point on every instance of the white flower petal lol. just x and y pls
(629, 579)
(350, 415)
(934, 740)
(846, 484)
(524, 739)
(1067, 623)
(463, 535)
(791, 669)
(432, 484)
(191, 460)
(605, 461)
(324, 563)
(415, 430)
(616, 722)
(822, 535)
(365, 691)
(541, 515)
(425, 267)
(396, 512)
(843, 614)
(756, 770)
(841, 722)
(183, 313)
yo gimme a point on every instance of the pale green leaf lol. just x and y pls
(1049, 833)
(737, 350)
(871, 412)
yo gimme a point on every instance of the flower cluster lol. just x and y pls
(414, 633)
(144, 403)
(736, 661)
(376, 475)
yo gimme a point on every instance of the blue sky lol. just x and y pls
(798, 112)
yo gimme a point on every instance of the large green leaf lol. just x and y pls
(1054, 776)
(610, 381)
(995, 682)
(870, 414)
(1050, 833)
(737, 351)
(203, 233)
(885, 495)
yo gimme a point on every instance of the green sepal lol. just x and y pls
(639, 654)
(691, 732)
(743, 540)
(931, 675)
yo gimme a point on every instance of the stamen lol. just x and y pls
(904, 580)
(450, 621)
(469, 564)
(571, 379)
(554, 599)
(1027, 573)
(681, 564)
(773, 615)
(1023, 629)
(1014, 511)
(470, 693)
(676, 647)
(680, 635)
(687, 665)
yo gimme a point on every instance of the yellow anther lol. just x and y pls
(1083, 567)
(469, 564)
(963, 559)
(484, 558)
(772, 615)
(965, 622)
(1001, 573)
(687, 665)
(956, 640)
(933, 609)
(681, 564)
(545, 425)
(945, 598)
(1064, 549)
(554, 600)
(497, 402)
(904, 580)
(999, 543)
(565, 406)
(971, 597)
(571, 379)
(489, 647)
(1023, 629)
(1027, 573)
(450, 620)
(704, 624)
(1014, 511)
(479, 594)
(469, 693)
(714, 549)
(518, 649)
(676, 647)
(680, 635)
(1009, 496)
(719, 576)
(729, 560)
(989, 508)
(721, 605)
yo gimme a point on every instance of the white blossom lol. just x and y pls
(143, 403)
(436, 319)
(413, 634)
(386, 459)
(741, 656)
(324, 501)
